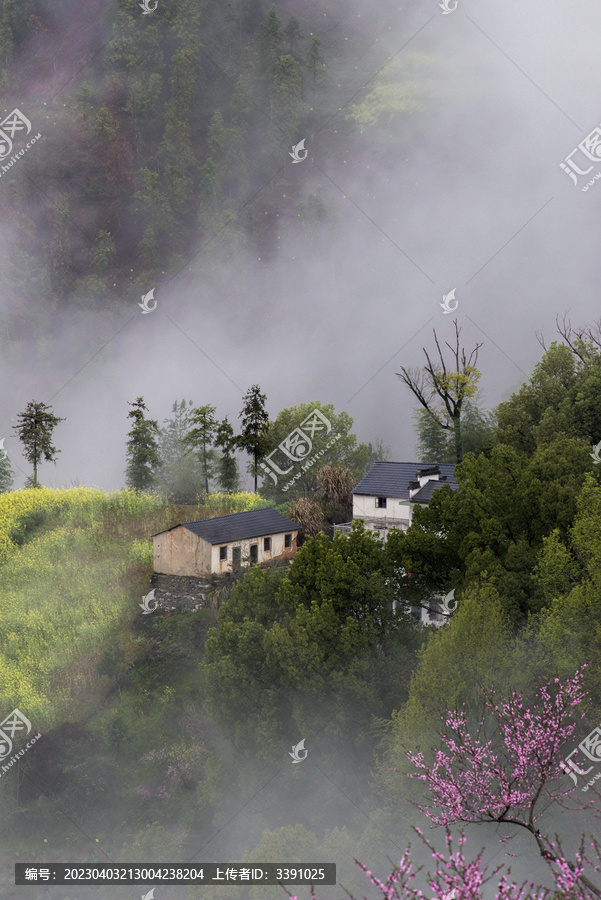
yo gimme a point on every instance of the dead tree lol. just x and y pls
(450, 387)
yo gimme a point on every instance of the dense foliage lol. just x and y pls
(316, 650)
(158, 135)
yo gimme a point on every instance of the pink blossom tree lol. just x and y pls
(510, 776)
(513, 775)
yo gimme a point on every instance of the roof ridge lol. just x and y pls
(242, 512)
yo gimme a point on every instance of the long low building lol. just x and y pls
(224, 544)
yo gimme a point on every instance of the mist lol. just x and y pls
(460, 191)
(465, 193)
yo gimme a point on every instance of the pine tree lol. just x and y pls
(143, 458)
(314, 58)
(255, 422)
(228, 467)
(271, 36)
(35, 433)
(292, 32)
(288, 91)
(200, 437)
(180, 475)
(434, 443)
(6, 472)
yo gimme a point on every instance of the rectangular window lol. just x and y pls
(254, 554)
(267, 544)
(380, 502)
(223, 553)
(287, 540)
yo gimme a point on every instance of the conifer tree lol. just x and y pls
(200, 437)
(35, 433)
(6, 472)
(143, 458)
(293, 32)
(228, 467)
(180, 475)
(255, 422)
(314, 58)
(271, 36)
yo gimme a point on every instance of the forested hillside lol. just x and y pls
(150, 152)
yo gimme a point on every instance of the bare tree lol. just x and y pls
(451, 388)
(583, 342)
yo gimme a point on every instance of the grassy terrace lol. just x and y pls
(73, 565)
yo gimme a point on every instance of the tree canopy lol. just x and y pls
(34, 430)
(302, 440)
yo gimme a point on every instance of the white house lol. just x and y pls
(386, 497)
(224, 543)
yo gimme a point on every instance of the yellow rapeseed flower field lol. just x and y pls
(61, 594)
(237, 501)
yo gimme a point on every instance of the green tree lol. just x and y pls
(563, 395)
(104, 252)
(288, 85)
(316, 650)
(34, 431)
(143, 458)
(293, 32)
(585, 344)
(180, 474)
(543, 407)
(271, 36)
(200, 438)
(6, 472)
(17, 19)
(478, 428)
(315, 60)
(495, 522)
(391, 96)
(325, 439)
(435, 444)
(255, 422)
(225, 439)
(471, 652)
(568, 574)
(442, 393)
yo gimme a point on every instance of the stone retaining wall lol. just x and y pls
(173, 591)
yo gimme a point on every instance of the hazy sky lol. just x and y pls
(466, 194)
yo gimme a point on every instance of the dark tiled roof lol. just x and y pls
(241, 526)
(392, 479)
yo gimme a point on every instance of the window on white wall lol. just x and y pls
(380, 502)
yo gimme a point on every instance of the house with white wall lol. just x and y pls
(386, 497)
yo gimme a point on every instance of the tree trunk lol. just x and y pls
(457, 436)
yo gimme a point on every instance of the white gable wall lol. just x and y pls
(364, 507)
